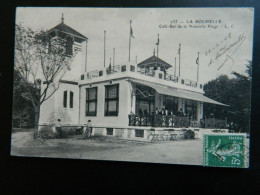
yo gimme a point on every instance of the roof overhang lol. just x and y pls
(68, 30)
(165, 90)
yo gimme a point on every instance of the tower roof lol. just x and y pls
(154, 61)
(68, 30)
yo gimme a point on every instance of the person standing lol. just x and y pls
(156, 111)
(58, 128)
(87, 129)
(180, 113)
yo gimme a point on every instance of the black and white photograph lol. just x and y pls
(133, 84)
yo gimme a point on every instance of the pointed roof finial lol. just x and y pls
(62, 18)
(153, 52)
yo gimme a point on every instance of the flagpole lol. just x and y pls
(86, 56)
(158, 47)
(179, 60)
(130, 40)
(198, 62)
(175, 68)
(113, 58)
(104, 48)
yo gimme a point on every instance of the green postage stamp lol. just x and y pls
(225, 150)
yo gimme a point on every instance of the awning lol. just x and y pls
(165, 90)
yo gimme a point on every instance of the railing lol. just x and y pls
(189, 83)
(158, 121)
(174, 121)
(169, 77)
(144, 71)
(92, 74)
(171, 121)
(140, 120)
(215, 123)
(113, 70)
(195, 124)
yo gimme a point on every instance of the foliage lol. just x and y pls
(189, 134)
(46, 133)
(39, 59)
(234, 92)
(23, 111)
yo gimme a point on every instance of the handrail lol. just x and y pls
(148, 72)
(173, 121)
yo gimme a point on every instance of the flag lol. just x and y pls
(179, 50)
(131, 30)
(158, 41)
(197, 61)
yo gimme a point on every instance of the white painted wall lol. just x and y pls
(67, 115)
(101, 119)
(52, 109)
(47, 107)
(77, 66)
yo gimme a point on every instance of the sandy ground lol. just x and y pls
(173, 152)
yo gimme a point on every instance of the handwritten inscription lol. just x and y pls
(224, 49)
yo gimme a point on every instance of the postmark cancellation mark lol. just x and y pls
(225, 151)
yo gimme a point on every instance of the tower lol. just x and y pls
(76, 45)
(64, 103)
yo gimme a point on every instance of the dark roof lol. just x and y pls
(154, 61)
(65, 28)
(64, 81)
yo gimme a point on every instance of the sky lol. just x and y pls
(222, 36)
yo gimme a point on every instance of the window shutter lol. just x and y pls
(65, 99)
(71, 99)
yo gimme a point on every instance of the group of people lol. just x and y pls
(164, 112)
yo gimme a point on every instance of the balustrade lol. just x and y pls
(173, 121)
(145, 71)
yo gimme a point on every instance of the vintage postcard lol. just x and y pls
(155, 85)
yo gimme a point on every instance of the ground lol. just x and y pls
(173, 152)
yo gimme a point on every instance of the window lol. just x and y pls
(132, 68)
(123, 68)
(71, 99)
(139, 133)
(91, 101)
(111, 100)
(191, 109)
(109, 131)
(100, 73)
(69, 46)
(82, 77)
(144, 103)
(65, 99)
(160, 75)
(171, 104)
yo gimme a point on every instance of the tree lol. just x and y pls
(234, 92)
(39, 58)
(23, 111)
(243, 87)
